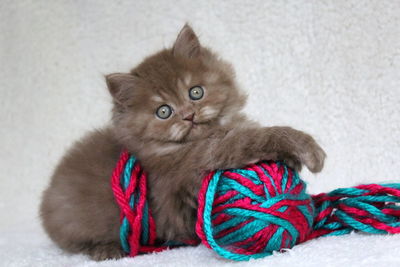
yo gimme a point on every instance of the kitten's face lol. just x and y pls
(176, 95)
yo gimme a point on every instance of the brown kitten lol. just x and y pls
(179, 113)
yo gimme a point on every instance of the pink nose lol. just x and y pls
(189, 117)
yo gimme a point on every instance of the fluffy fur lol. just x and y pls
(78, 210)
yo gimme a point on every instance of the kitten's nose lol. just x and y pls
(189, 117)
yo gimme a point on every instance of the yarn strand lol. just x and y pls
(129, 185)
(251, 212)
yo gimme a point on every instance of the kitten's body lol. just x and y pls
(78, 208)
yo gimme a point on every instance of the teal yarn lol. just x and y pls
(125, 227)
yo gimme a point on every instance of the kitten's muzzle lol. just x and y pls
(189, 117)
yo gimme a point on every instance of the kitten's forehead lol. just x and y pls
(184, 81)
(156, 98)
(178, 94)
(168, 78)
(187, 79)
(211, 77)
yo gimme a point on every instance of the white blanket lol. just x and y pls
(28, 246)
(331, 68)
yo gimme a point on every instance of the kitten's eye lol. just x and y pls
(164, 111)
(196, 93)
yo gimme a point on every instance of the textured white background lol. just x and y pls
(331, 68)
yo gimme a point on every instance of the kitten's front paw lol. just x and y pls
(101, 252)
(313, 156)
(296, 148)
(293, 162)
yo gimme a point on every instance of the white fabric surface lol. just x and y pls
(331, 68)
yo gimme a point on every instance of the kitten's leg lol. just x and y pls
(78, 210)
(104, 251)
(242, 146)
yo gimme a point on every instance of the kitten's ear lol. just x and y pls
(187, 44)
(119, 85)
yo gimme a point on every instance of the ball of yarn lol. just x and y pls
(251, 212)
(248, 213)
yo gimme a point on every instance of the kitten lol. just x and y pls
(179, 113)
